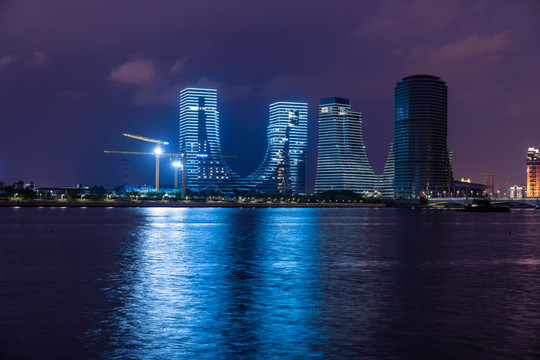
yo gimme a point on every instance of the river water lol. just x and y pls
(220, 283)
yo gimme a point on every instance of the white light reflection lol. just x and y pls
(159, 303)
(175, 291)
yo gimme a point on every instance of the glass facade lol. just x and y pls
(342, 163)
(421, 158)
(199, 140)
(284, 166)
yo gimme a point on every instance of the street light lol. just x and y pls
(176, 165)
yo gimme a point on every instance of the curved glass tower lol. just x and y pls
(199, 140)
(342, 163)
(421, 158)
(284, 166)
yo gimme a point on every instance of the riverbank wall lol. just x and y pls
(149, 203)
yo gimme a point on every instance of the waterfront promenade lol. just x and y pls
(158, 203)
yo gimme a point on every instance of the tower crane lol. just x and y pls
(158, 152)
(143, 138)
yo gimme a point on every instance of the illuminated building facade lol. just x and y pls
(421, 158)
(533, 172)
(199, 140)
(342, 163)
(284, 166)
(516, 192)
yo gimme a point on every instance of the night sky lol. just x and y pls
(75, 74)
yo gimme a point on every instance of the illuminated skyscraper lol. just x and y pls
(421, 157)
(342, 163)
(284, 166)
(533, 172)
(199, 140)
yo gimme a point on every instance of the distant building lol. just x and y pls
(516, 192)
(533, 172)
(284, 166)
(61, 192)
(342, 163)
(199, 140)
(503, 192)
(463, 189)
(490, 185)
(421, 158)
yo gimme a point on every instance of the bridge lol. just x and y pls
(462, 201)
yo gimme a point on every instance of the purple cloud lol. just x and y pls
(7, 59)
(471, 47)
(417, 16)
(38, 59)
(136, 71)
(179, 66)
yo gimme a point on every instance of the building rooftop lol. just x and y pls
(421, 76)
(334, 100)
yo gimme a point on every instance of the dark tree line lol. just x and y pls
(18, 190)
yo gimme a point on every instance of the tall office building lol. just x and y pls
(421, 159)
(533, 172)
(284, 166)
(490, 186)
(199, 140)
(342, 163)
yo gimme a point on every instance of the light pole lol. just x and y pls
(176, 165)
(158, 150)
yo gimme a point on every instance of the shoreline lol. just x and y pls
(157, 203)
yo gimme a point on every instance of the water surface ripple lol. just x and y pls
(220, 283)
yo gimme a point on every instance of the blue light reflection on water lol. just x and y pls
(236, 283)
(268, 283)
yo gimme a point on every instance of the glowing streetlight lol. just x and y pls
(176, 165)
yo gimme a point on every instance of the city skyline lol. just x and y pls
(69, 86)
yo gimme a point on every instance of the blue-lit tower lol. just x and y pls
(284, 166)
(199, 140)
(421, 158)
(342, 162)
